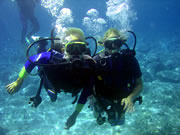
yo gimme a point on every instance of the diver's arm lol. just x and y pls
(28, 67)
(74, 115)
(78, 109)
(16, 85)
(72, 119)
(137, 90)
(81, 102)
(128, 102)
(22, 75)
(136, 71)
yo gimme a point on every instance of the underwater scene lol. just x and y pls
(29, 107)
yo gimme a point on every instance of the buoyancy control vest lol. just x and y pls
(114, 77)
(71, 76)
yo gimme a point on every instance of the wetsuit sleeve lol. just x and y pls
(84, 95)
(82, 99)
(135, 68)
(23, 73)
(86, 92)
(42, 58)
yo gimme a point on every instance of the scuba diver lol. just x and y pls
(69, 72)
(118, 82)
(26, 11)
(42, 45)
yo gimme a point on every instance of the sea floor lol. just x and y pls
(159, 113)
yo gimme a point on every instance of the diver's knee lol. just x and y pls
(53, 99)
(52, 94)
(37, 27)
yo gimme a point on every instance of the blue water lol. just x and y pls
(156, 24)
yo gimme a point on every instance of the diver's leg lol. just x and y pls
(35, 26)
(98, 111)
(95, 107)
(119, 118)
(121, 113)
(50, 90)
(24, 23)
(52, 94)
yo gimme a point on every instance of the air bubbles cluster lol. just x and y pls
(63, 16)
(53, 6)
(64, 19)
(121, 13)
(93, 23)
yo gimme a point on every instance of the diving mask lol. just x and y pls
(113, 43)
(76, 48)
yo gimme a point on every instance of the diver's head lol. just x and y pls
(113, 40)
(72, 34)
(58, 46)
(74, 41)
(42, 42)
(42, 45)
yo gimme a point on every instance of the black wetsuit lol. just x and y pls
(62, 77)
(117, 75)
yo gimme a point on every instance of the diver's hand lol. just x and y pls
(14, 86)
(71, 120)
(128, 104)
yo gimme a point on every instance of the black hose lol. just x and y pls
(40, 87)
(95, 45)
(36, 63)
(126, 46)
(134, 46)
(52, 36)
(75, 99)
